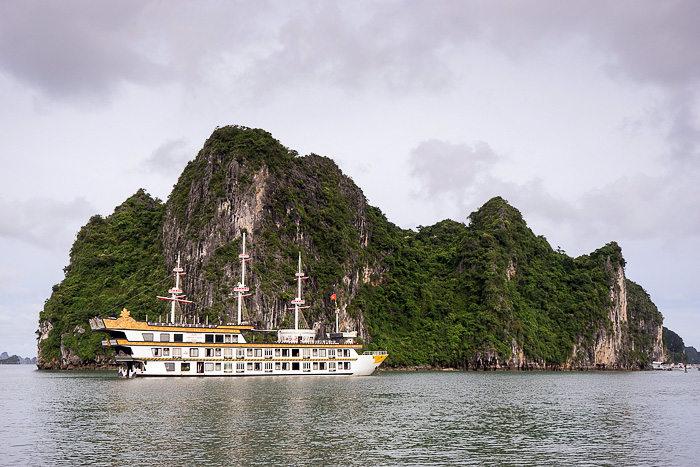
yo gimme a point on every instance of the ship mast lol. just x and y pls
(241, 287)
(176, 292)
(298, 300)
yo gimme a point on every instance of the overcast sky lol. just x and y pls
(583, 115)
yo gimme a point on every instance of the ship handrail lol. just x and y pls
(375, 352)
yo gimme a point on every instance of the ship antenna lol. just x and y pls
(176, 292)
(298, 300)
(241, 287)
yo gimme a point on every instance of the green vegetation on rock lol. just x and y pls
(676, 347)
(477, 295)
(115, 262)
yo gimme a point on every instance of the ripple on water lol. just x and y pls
(397, 418)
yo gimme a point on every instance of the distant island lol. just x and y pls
(6, 359)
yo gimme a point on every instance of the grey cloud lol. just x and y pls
(417, 44)
(395, 46)
(67, 49)
(44, 222)
(459, 179)
(450, 169)
(90, 48)
(631, 208)
(169, 158)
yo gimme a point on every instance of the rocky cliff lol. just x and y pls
(245, 181)
(488, 294)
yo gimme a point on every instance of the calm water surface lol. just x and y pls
(394, 419)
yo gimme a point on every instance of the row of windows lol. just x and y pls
(178, 337)
(267, 367)
(242, 353)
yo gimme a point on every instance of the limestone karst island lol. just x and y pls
(485, 294)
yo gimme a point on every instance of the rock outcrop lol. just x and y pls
(285, 204)
(489, 294)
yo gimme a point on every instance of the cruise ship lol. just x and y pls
(180, 349)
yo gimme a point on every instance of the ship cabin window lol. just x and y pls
(217, 366)
(240, 367)
(295, 366)
(331, 366)
(346, 352)
(165, 337)
(331, 353)
(277, 352)
(268, 367)
(268, 353)
(156, 351)
(306, 353)
(315, 353)
(169, 366)
(322, 352)
(208, 366)
(347, 365)
(321, 365)
(177, 352)
(228, 338)
(249, 366)
(285, 352)
(177, 337)
(258, 352)
(166, 351)
(307, 366)
(209, 352)
(295, 352)
(147, 336)
(217, 352)
(257, 366)
(285, 366)
(209, 338)
(219, 338)
(250, 352)
(240, 353)
(278, 366)
(194, 352)
(228, 367)
(315, 365)
(184, 366)
(228, 353)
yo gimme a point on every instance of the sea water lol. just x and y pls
(413, 418)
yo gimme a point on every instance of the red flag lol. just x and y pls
(333, 297)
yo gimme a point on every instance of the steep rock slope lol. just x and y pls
(244, 180)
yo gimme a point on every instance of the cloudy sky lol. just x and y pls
(583, 115)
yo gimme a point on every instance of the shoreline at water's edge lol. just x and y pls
(115, 367)
(55, 365)
(501, 368)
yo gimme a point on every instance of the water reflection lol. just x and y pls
(409, 418)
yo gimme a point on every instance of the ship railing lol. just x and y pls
(183, 325)
(316, 341)
(375, 352)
